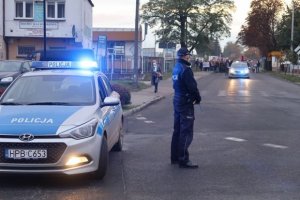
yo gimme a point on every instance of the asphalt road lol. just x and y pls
(245, 142)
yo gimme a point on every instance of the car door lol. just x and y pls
(108, 112)
(116, 110)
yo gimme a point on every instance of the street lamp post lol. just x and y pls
(45, 29)
(292, 25)
(136, 40)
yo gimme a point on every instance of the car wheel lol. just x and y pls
(103, 161)
(119, 145)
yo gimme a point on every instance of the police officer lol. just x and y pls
(186, 94)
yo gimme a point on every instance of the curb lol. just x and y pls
(144, 105)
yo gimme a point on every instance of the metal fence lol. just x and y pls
(122, 67)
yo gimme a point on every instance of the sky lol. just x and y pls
(121, 14)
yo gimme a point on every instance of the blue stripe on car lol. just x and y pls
(37, 120)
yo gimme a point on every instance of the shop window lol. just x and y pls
(25, 50)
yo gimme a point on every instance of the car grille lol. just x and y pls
(54, 152)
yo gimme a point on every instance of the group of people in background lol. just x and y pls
(222, 65)
(215, 65)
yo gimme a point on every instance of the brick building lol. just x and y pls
(114, 48)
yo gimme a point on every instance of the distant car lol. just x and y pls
(239, 70)
(11, 69)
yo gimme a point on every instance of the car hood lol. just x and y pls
(40, 120)
(239, 68)
(8, 74)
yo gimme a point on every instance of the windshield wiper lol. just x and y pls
(11, 103)
(49, 103)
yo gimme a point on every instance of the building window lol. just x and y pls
(25, 50)
(56, 10)
(29, 10)
(51, 10)
(24, 9)
(61, 10)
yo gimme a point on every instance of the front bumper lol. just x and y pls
(238, 75)
(59, 151)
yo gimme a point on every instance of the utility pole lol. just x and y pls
(292, 25)
(45, 30)
(136, 42)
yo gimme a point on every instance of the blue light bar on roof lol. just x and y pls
(87, 65)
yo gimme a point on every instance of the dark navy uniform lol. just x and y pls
(185, 96)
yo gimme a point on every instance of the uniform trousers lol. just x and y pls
(183, 133)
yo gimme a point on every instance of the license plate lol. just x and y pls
(26, 153)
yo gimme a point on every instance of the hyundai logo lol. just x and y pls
(26, 137)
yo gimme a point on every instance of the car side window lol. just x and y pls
(107, 85)
(27, 66)
(102, 89)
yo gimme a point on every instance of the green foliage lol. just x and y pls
(124, 93)
(189, 22)
(291, 56)
(284, 27)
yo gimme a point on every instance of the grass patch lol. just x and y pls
(288, 77)
(130, 85)
(128, 107)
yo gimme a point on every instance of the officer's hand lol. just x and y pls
(197, 102)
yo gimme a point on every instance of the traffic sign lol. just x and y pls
(297, 50)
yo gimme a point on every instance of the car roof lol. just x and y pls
(63, 72)
(21, 61)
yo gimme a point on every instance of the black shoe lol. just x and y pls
(188, 165)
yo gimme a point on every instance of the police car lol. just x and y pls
(59, 118)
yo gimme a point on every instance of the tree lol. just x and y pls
(232, 50)
(189, 22)
(284, 28)
(211, 48)
(252, 53)
(260, 27)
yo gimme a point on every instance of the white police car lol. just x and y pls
(59, 120)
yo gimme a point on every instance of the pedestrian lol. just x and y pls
(257, 66)
(156, 76)
(186, 95)
(196, 64)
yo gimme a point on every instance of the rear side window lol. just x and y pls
(104, 86)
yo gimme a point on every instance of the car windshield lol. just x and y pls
(10, 66)
(51, 90)
(239, 65)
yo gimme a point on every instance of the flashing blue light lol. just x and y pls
(88, 64)
(85, 64)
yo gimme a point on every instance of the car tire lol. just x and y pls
(103, 161)
(119, 145)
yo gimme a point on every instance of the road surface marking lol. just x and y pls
(264, 94)
(141, 118)
(222, 93)
(235, 139)
(275, 146)
(149, 122)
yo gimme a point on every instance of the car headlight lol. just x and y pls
(231, 71)
(83, 131)
(246, 71)
(7, 79)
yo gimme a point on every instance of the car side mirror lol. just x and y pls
(110, 101)
(23, 70)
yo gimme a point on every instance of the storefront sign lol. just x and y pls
(38, 25)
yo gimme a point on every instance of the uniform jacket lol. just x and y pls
(184, 84)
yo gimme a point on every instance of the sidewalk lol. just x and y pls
(146, 97)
